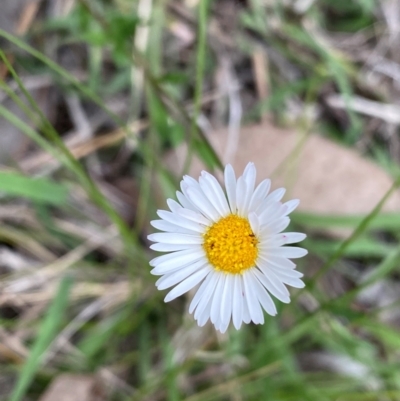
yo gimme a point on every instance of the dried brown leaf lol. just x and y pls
(328, 178)
(69, 387)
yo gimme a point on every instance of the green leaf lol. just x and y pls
(35, 189)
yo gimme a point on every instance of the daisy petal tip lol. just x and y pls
(201, 324)
(237, 325)
(301, 237)
(150, 237)
(292, 205)
(168, 298)
(223, 329)
(301, 284)
(249, 165)
(229, 169)
(162, 286)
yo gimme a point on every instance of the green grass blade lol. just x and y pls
(47, 333)
(60, 72)
(360, 229)
(200, 66)
(385, 221)
(63, 154)
(36, 189)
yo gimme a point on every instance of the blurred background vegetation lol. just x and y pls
(96, 99)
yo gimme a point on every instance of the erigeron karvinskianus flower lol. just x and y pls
(231, 244)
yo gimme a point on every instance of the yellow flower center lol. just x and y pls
(231, 245)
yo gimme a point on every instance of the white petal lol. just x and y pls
(160, 271)
(226, 302)
(223, 326)
(205, 313)
(284, 238)
(283, 276)
(218, 190)
(160, 247)
(276, 195)
(220, 197)
(181, 221)
(276, 226)
(252, 301)
(254, 223)
(225, 209)
(187, 284)
(246, 313)
(217, 324)
(177, 257)
(292, 238)
(280, 262)
(208, 294)
(295, 282)
(290, 252)
(259, 194)
(278, 213)
(202, 290)
(211, 196)
(173, 205)
(177, 276)
(263, 297)
(230, 185)
(167, 262)
(190, 181)
(271, 282)
(194, 216)
(241, 192)
(170, 238)
(266, 210)
(291, 205)
(249, 176)
(237, 302)
(184, 187)
(169, 227)
(185, 202)
(216, 303)
(203, 204)
(285, 272)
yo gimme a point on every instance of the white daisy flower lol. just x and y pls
(231, 244)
